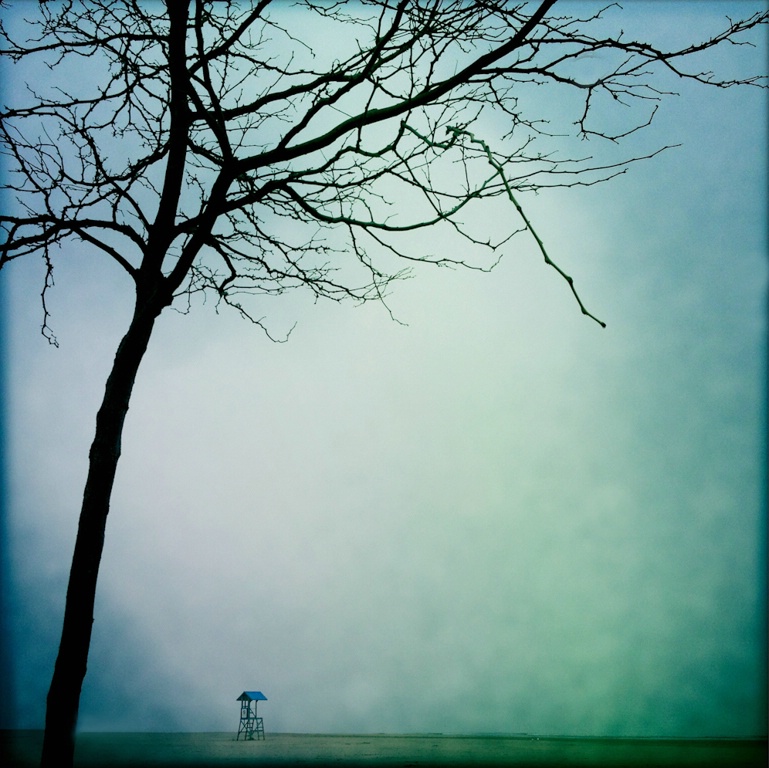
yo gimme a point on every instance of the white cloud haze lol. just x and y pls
(498, 518)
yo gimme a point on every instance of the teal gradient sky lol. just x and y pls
(496, 518)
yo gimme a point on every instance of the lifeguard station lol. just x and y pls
(251, 726)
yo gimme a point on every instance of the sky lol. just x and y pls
(496, 517)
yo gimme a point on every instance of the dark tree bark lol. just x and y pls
(153, 293)
(70, 669)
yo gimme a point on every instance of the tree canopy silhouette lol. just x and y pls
(238, 151)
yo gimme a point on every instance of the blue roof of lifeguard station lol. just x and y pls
(251, 696)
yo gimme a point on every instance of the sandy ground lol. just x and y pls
(21, 749)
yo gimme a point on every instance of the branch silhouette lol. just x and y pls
(216, 149)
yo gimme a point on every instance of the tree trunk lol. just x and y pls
(64, 694)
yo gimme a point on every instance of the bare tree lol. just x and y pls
(220, 150)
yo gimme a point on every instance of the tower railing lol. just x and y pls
(251, 726)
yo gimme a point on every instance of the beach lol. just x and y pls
(21, 749)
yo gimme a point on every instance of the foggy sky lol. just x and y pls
(496, 518)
